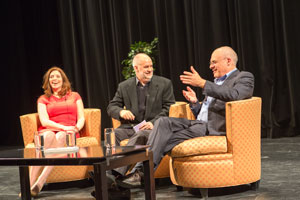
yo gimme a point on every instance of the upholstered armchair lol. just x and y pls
(89, 135)
(222, 161)
(176, 110)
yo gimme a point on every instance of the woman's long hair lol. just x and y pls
(66, 85)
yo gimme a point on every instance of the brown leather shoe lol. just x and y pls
(33, 194)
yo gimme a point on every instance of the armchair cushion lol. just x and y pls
(200, 146)
(87, 141)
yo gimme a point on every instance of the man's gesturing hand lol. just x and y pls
(192, 78)
(190, 95)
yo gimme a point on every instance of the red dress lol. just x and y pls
(61, 110)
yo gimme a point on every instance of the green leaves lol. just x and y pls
(139, 47)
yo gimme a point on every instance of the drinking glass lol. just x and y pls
(39, 140)
(71, 138)
(109, 137)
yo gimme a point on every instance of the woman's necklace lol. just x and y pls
(57, 96)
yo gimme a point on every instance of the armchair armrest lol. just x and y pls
(92, 126)
(243, 132)
(243, 120)
(115, 123)
(181, 109)
(29, 124)
(178, 110)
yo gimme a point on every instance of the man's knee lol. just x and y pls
(118, 132)
(139, 138)
(142, 133)
(162, 120)
(118, 135)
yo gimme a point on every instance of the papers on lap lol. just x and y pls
(137, 127)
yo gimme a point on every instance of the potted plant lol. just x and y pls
(138, 47)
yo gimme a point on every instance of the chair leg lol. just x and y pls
(179, 188)
(204, 193)
(157, 181)
(255, 185)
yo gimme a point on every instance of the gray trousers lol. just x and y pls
(135, 138)
(168, 132)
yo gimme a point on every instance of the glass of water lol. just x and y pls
(109, 137)
(39, 140)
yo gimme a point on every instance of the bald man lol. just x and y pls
(229, 84)
(144, 97)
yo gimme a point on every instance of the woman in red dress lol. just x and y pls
(60, 111)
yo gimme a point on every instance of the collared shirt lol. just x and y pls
(142, 94)
(137, 81)
(203, 114)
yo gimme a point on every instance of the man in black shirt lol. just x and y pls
(143, 97)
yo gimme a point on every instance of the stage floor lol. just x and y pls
(280, 180)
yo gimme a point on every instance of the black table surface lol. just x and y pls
(84, 156)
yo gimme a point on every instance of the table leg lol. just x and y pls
(24, 182)
(149, 177)
(100, 181)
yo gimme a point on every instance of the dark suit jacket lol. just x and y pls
(238, 86)
(158, 101)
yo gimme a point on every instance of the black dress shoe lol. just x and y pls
(111, 179)
(91, 175)
(134, 180)
(117, 194)
(114, 192)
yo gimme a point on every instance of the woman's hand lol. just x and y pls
(70, 128)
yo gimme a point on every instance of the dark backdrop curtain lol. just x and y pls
(30, 43)
(91, 38)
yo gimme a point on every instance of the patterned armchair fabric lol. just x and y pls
(89, 135)
(221, 161)
(176, 110)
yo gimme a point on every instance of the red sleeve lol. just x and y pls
(43, 99)
(76, 96)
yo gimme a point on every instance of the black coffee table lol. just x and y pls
(100, 157)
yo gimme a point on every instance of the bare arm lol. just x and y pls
(80, 114)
